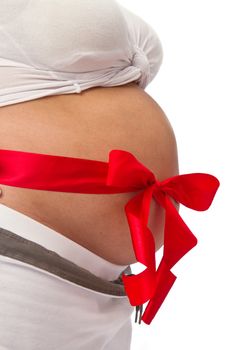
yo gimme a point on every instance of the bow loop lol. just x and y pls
(126, 171)
(195, 190)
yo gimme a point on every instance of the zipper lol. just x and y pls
(138, 308)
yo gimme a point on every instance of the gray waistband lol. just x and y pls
(19, 248)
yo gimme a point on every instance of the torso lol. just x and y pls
(88, 125)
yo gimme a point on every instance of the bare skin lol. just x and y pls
(88, 125)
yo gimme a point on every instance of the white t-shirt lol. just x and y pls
(53, 47)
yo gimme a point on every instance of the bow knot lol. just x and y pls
(159, 192)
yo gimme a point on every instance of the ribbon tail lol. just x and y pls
(164, 282)
(140, 287)
(137, 212)
(178, 238)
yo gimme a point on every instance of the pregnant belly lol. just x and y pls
(97, 222)
(88, 126)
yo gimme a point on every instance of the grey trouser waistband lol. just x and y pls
(19, 248)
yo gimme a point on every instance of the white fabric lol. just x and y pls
(39, 310)
(52, 47)
(33, 230)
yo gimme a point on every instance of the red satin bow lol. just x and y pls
(123, 173)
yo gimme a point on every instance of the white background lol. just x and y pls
(194, 88)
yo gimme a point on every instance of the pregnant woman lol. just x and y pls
(72, 88)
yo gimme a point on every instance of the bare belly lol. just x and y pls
(89, 125)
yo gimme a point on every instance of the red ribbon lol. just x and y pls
(123, 173)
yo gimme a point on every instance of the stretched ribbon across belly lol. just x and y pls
(123, 173)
